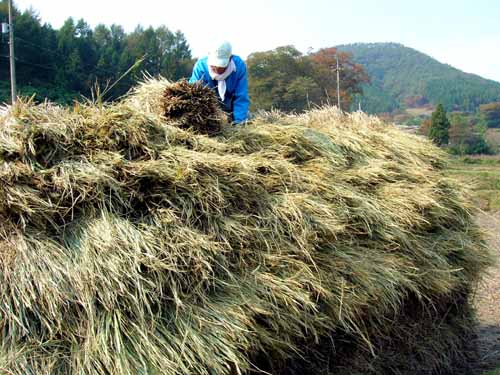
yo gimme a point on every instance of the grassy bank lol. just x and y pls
(482, 174)
(493, 139)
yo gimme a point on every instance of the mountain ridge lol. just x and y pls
(403, 77)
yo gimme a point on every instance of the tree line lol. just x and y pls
(287, 79)
(402, 77)
(462, 133)
(66, 64)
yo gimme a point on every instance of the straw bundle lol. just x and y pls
(192, 106)
(321, 243)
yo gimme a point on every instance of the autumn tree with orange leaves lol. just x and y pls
(288, 80)
(351, 75)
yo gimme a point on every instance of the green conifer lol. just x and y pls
(440, 125)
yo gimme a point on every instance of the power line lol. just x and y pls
(46, 67)
(36, 46)
(24, 41)
(30, 63)
(24, 62)
(58, 55)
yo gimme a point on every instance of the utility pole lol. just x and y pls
(337, 69)
(338, 80)
(12, 58)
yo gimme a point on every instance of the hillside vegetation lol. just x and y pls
(404, 77)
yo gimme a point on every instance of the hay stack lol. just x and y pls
(322, 243)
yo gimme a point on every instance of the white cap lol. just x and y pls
(220, 55)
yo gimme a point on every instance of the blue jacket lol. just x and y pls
(236, 99)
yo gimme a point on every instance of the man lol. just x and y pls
(226, 74)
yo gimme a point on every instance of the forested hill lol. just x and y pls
(404, 77)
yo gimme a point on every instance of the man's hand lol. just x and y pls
(241, 123)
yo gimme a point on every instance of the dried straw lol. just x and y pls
(320, 243)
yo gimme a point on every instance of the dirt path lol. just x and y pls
(488, 299)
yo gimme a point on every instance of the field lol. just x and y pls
(482, 174)
(488, 300)
(493, 138)
(420, 111)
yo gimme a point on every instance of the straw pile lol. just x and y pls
(323, 243)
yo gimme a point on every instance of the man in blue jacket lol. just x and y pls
(226, 74)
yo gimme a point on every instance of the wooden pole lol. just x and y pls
(12, 58)
(338, 81)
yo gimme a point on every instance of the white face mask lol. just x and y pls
(221, 78)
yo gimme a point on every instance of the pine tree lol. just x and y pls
(440, 125)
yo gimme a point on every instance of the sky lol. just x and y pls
(461, 33)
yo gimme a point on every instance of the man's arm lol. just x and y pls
(198, 72)
(241, 100)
